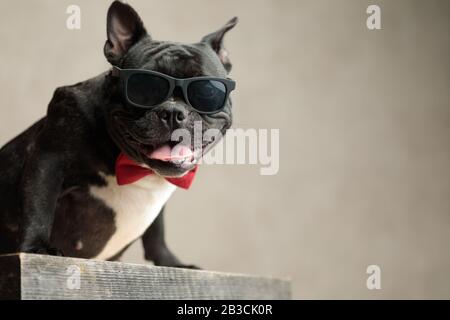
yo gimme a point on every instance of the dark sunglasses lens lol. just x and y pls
(207, 95)
(146, 89)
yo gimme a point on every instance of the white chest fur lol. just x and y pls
(136, 206)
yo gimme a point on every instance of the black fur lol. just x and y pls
(46, 172)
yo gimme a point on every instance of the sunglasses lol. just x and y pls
(145, 89)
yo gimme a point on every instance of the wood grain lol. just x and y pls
(30, 276)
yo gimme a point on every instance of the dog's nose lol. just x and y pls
(172, 115)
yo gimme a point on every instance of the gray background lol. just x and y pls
(364, 122)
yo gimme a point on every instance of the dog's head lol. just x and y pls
(147, 134)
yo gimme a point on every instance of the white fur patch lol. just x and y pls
(136, 206)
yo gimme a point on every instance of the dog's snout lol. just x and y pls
(172, 115)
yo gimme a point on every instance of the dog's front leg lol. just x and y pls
(155, 246)
(41, 184)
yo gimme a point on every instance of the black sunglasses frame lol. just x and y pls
(183, 84)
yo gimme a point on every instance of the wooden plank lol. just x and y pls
(30, 276)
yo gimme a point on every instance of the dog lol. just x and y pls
(61, 191)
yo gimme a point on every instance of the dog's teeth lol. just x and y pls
(178, 161)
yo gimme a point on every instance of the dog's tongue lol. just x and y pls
(166, 153)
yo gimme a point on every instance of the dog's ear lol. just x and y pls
(124, 28)
(215, 40)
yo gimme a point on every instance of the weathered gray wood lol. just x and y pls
(31, 276)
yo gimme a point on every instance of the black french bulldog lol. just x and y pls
(58, 186)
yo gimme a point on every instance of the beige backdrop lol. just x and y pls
(364, 119)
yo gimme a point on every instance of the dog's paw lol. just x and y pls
(40, 249)
(187, 266)
(53, 252)
(165, 258)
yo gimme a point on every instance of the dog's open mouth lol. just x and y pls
(169, 158)
(173, 154)
(176, 153)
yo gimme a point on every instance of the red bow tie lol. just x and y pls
(128, 171)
